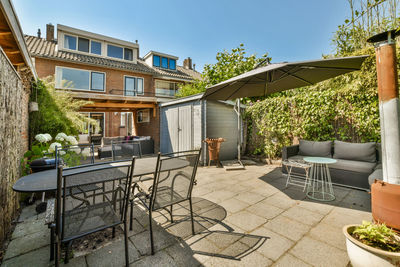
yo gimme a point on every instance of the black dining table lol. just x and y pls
(46, 181)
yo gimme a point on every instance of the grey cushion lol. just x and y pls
(355, 151)
(315, 149)
(379, 149)
(352, 165)
(376, 175)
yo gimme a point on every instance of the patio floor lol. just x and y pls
(244, 217)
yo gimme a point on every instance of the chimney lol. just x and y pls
(38, 33)
(187, 63)
(49, 32)
(194, 66)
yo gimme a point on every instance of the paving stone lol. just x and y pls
(289, 260)
(219, 196)
(265, 191)
(249, 197)
(29, 213)
(39, 257)
(112, 255)
(275, 245)
(287, 227)
(340, 217)
(74, 262)
(321, 208)
(254, 259)
(182, 255)
(328, 234)
(318, 253)
(234, 205)
(280, 200)
(265, 210)
(28, 227)
(160, 258)
(303, 215)
(161, 238)
(27, 243)
(246, 220)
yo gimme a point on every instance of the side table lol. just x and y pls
(320, 186)
(294, 178)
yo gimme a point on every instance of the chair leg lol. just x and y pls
(58, 253)
(52, 245)
(113, 232)
(172, 218)
(191, 215)
(151, 234)
(126, 244)
(131, 217)
(66, 258)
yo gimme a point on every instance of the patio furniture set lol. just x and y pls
(97, 196)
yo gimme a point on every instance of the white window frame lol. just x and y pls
(123, 121)
(143, 111)
(90, 80)
(161, 95)
(135, 89)
(104, 118)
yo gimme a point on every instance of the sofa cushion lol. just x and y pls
(315, 149)
(355, 151)
(353, 165)
(376, 175)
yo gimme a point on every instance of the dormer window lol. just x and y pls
(83, 44)
(69, 42)
(95, 47)
(156, 61)
(164, 62)
(172, 64)
(128, 54)
(115, 51)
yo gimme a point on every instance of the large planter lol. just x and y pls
(362, 255)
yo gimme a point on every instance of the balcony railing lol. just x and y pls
(159, 93)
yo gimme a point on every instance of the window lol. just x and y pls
(156, 61)
(79, 79)
(123, 119)
(115, 51)
(97, 81)
(164, 88)
(69, 42)
(143, 116)
(83, 45)
(164, 62)
(128, 54)
(133, 86)
(95, 47)
(172, 64)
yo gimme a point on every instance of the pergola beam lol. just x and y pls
(119, 105)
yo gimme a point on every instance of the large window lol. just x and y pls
(164, 62)
(143, 115)
(164, 88)
(79, 79)
(95, 47)
(69, 42)
(115, 51)
(83, 44)
(172, 64)
(133, 86)
(128, 54)
(156, 61)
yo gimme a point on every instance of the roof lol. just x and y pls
(197, 97)
(151, 52)
(12, 41)
(40, 47)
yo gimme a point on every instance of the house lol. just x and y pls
(125, 89)
(16, 75)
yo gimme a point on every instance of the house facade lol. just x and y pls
(124, 88)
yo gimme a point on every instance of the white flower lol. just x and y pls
(62, 152)
(41, 138)
(72, 140)
(53, 146)
(75, 149)
(61, 137)
(48, 137)
(86, 152)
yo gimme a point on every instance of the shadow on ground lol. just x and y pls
(345, 197)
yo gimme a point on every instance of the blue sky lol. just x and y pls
(289, 30)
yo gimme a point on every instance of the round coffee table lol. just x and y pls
(320, 185)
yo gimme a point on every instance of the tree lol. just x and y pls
(228, 65)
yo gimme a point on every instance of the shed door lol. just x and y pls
(185, 128)
(171, 116)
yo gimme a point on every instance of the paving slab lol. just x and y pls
(29, 227)
(318, 253)
(255, 259)
(280, 200)
(329, 234)
(234, 205)
(249, 197)
(264, 210)
(162, 239)
(39, 257)
(182, 255)
(287, 227)
(303, 215)
(246, 220)
(27, 243)
(161, 258)
(318, 207)
(289, 260)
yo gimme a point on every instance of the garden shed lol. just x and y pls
(186, 122)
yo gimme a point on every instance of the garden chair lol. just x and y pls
(125, 150)
(169, 187)
(73, 221)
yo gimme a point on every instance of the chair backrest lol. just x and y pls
(126, 149)
(88, 197)
(174, 178)
(72, 156)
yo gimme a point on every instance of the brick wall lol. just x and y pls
(14, 99)
(151, 128)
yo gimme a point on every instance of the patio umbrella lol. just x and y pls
(280, 77)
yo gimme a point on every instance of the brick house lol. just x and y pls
(16, 75)
(124, 88)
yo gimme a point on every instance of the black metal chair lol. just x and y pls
(171, 185)
(75, 219)
(125, 149)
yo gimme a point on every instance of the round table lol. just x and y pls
(320, 185)
(46, 181)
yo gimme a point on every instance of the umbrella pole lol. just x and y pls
(239, 130)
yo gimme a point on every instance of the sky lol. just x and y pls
(288, 30)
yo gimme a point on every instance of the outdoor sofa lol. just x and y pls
(357, 166)
(105, 150)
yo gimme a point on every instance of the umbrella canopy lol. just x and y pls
(282, 76)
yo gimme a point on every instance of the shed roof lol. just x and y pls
(195, 98)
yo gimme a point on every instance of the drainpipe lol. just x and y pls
(388, 92)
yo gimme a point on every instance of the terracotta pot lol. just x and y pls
(362, 255)
(385, 201)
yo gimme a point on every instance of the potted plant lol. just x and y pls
(372, 244)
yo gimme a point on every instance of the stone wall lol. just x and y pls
(14, 99)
